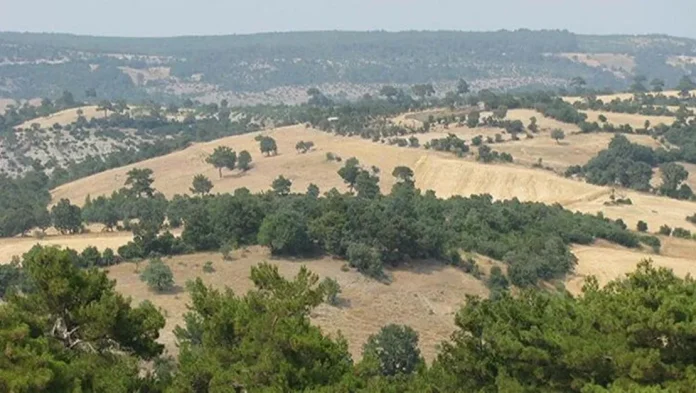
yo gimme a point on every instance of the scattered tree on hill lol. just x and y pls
(201, 185)
(472, 120)
(158, 276)
(304, 147)
(67, 218)
(500, 112)
(657, 85)
(105, 106)
(268, 145)
(222, 157)
(281, 186)
(350, 171)
(395, 348)
(673, 175)
(140, 181)
(244, 160)
(533, 126)
(462, 87)
(313, 190)
(422, 91)
(638, 85)
(332, 290)
(558, 135)
(578, 83)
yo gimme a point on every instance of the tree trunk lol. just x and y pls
(220, 172)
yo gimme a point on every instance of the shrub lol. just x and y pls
(665, 230)
(158, 276)
(653, 242)
(682, 233)
(642, 226)
(91, 256)
(227, 249)
(366, 259)
(332, 289)
(208, 267)
(109, 258)
(691, 219)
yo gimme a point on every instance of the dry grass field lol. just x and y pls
(17, 246)
(611, 61)
(63, 117)
(634, 120)
(424, 297)
(607, 261)
(622, 96)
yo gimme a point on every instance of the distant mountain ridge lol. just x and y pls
(279, 67)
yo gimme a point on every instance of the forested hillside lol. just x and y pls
(280, 66)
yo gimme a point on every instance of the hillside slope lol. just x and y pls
(441, 172)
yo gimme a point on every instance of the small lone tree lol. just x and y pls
(642, 226)
(268, 146)
(66, 217)
(395, 348)
(281, 186)
(332, 289)
(222, 157)
(158, 276)
(201, 185)
(244, 160)
(472, 120)
(304, 147)
(558, 135)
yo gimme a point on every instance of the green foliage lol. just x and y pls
(140, 182)
(395, 347)
(403, 174)
(222, 157)
(539, 341)
(262, 341)
(208, 267)
(67, 218)
(281, 186)
(304, 147)
(201, 185)
(366, 259)
(472, 120)
(642, 226)
(681, 233)
(350, 171)
(268, 146)
(244, 160)
(367, 185)
(73, 331)
(673, 176)
(285, 232)
(332, 290)
(158, 276)
(23, 203)
(623, 163)
(558, 135)
(665, 230)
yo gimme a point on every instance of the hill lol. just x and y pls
(441, 172)
(279, 67)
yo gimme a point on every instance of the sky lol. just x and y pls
(156, 18)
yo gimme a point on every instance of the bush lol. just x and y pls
(91, 256)
(109, 258)
(158, 276)
(691, 219)
(332, 289)
(366, 259)
(653, 242)
(681, 233)
(227, 249)
(642, 226)
(208, 267)
(665, 230)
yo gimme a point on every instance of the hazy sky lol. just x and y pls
(198, 17)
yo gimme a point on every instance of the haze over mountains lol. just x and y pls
(280, 67)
